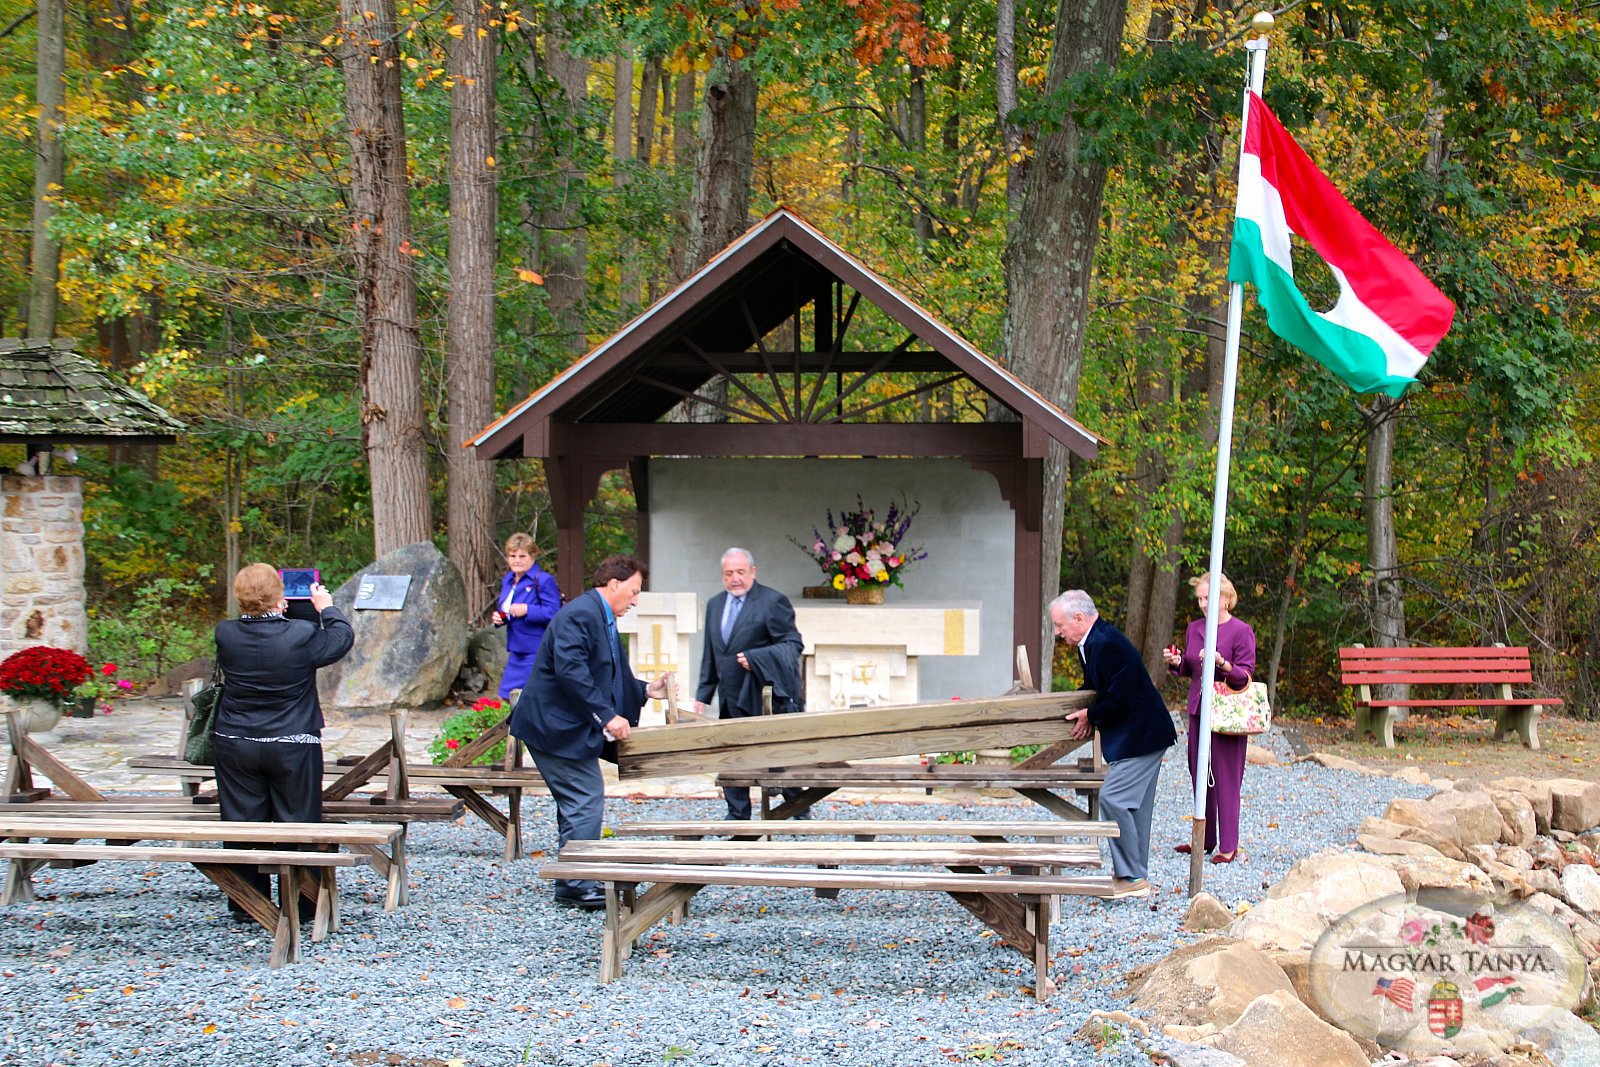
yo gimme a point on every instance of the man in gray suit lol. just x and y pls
(750, 642)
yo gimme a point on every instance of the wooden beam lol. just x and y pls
(824, 736)
(962, 439)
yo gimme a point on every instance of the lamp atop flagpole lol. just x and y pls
(1263, 21)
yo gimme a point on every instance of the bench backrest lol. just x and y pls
(1437, 666)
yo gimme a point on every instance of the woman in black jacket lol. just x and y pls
(267, 738)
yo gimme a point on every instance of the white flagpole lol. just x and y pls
(1257, 52)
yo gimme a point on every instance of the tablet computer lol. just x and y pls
(297, 582)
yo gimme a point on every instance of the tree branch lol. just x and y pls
(18, 21)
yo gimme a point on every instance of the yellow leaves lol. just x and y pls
(456, 30)
(488, 161)
(209, 1028)
(456, 1002)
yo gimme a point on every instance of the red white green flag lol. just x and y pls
(1388, 317)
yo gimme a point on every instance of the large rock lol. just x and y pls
(1518, 824)
(1211, 982)
(1537, 793)
(1586, 930)
(1318, 890)
(407, 658)
(1477, 819)
(1580, 884)
(1574, 804)
(1276, 1030)
(1395, 846)
(1206, 912)
(486, 654)
(1425, 873)
(1420, 813)
(1566, 1039)
(1402, 832)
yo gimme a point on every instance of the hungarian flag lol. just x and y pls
(1388, 317)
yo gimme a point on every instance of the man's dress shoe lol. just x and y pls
(589, 900)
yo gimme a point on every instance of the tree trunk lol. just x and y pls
(622, 139)
(683, 143)
(1005, 74)
(566, 250)
(917, 132)
(719, 209)
(649, 90)
(49, 165)
(386, 289)
(469, 317)
(1388, 602)
(1050, 255)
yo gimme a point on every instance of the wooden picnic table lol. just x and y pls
(1011, 886)
(293, 851)
(388, 766)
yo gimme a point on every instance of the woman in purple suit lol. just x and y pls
(529, 599)
(1236, 664)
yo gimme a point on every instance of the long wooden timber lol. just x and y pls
(859, 733)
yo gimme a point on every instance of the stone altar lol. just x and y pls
(866, 656)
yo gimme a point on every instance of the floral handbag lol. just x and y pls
(1241, 711)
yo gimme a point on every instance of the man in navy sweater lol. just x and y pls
(1135, 731)
(582, 698)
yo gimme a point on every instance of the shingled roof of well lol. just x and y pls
(48, 390)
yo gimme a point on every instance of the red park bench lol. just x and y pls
(1497, 667)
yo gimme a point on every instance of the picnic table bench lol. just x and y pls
(212, 848)
(387, 765)
(80, 800)
(1497, 666)
(1044, 783)
(1017, 903)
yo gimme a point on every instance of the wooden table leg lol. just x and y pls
(327, 913)
(397, 892)
(612, 946)
(286, 941)
(514, 824)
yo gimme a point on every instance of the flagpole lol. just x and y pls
(1256, 70)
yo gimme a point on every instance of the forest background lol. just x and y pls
(336, 240)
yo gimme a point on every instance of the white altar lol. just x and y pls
(661, 630)
(866, 655)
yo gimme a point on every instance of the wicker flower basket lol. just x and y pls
(866, 593)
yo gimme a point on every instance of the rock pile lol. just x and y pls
(1243, 995)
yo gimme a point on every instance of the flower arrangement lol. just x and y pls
(861, 549)
(462, 728)
(44, 673)
(100, 687)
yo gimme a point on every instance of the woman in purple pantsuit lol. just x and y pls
(1236, 663)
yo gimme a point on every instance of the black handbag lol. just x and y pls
(204, 704)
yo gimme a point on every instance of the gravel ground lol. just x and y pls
(118, 963)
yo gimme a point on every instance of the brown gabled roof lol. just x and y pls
(748, 289)
(48, 392)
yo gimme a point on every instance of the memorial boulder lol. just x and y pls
(409, 610)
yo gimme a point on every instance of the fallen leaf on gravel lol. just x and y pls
(456, 1002)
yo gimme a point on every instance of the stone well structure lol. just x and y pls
(41, 563)
(51, 400)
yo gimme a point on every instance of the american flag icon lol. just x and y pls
(1399, 990)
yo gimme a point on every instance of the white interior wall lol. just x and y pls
(700, 507)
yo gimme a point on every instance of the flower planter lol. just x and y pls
(38, 717)
(864, 594)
